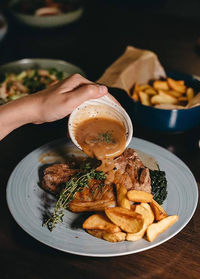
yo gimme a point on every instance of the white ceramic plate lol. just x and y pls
(28, 203)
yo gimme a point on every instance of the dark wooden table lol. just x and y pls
(94, 43)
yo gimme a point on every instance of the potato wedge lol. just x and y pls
(111, 237)
(139, 196)
(122, 200)
(127, 220)
(155, 229)
(144, 98)
(160, 85)
(135, 95)
(175, 85)
(150, 212)
(190, 93)
(158, 211)
(143, 87)
(163, 99)
(143, 211)
(100, 222)
(169, 106)
(147, 220)
(97, 233)
(115, 237)
(182, 82)
(174, 93)
(150, 91)
(136, 236)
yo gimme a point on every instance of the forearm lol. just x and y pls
(16, 114)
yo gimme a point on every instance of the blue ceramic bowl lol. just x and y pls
(162, 120)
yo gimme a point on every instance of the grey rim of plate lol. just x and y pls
(26, 203)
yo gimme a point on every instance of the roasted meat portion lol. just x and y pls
(55, 175)
(131, 172)
(128, 170)
(93, 198)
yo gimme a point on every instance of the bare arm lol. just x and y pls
(48, 105)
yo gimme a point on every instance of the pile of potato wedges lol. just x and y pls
(137, 216)
(164, 94)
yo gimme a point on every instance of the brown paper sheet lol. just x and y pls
(138, 66)
(194, 102)
(129, 69)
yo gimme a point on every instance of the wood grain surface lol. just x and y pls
(93, 43)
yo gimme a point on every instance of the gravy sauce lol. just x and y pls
(104, 139)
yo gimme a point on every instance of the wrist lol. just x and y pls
(15, 114)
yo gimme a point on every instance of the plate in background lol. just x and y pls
(41, 63)
(28, 202)
(49, 21)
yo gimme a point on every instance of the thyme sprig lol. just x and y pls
(76, 184)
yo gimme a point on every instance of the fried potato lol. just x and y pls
(182, 82)
(164, 92)
(139, 196)
(190, 93)
(114, 237)
(169, 106)
(143, 87)
(144, 98)
(97, 233)
(158, 211)
(155, 229)
(150, 91)
(147, 220)
(127, 220)
(122, 200)
(177, 86)
(111, 237)
(150, 212)
(100, 222)
(174, 93)
(136, 236)
(160, 85)
(135, 95)
(163, 98)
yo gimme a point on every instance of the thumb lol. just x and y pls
(86, 92)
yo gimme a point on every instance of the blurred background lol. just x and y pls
(100, 35)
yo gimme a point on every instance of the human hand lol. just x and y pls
(51, 104)
(59, 100)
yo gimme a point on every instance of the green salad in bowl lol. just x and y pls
(14, 86)
(27, 76)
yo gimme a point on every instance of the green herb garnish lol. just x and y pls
(105, 137)
(158, 185)
(76, 184)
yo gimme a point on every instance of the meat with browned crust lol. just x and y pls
(93, 198)
(131, 172)
(55, 175)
